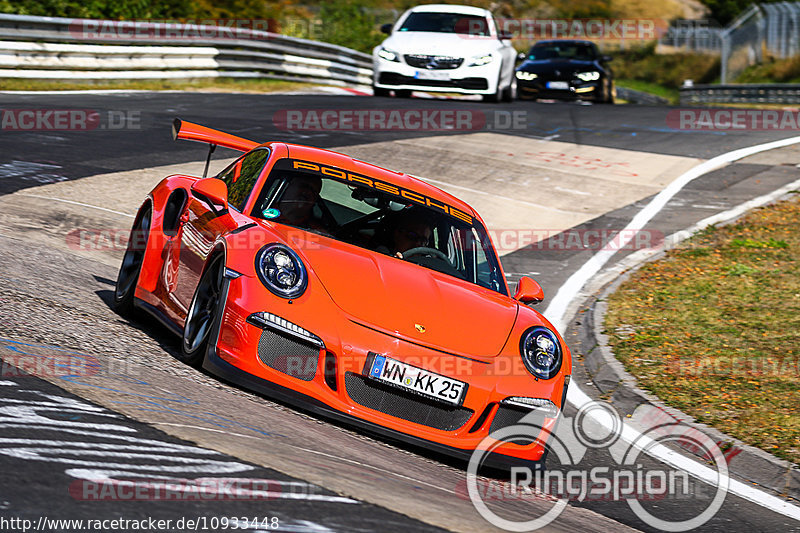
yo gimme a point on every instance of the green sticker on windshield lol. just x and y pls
(271, 213)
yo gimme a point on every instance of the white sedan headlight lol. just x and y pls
(588, 76)
(388, 55)
(479, 61)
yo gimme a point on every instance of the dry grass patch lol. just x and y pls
(714, 328)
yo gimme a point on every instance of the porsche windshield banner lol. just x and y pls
(382, 186)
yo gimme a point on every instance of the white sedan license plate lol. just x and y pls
(432, 75)
(411, 378)
(558, 85)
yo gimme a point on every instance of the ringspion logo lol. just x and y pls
(625, 478)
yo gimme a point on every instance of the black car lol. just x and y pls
(565, 69)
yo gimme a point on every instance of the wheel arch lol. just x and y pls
(220, 248)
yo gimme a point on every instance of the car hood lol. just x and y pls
(565, 66)
(400, 299)
(444, 44)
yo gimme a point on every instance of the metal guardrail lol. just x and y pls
(59, 48)
(774, 93)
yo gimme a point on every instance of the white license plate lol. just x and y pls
(558, 85)
(432, 75)
(417, 380)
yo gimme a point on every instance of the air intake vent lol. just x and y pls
(287, 355)
(393, 402)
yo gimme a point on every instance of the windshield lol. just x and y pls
(579, 51)
(446, 23)
(381, 217)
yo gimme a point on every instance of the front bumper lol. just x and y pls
(330, 380)
(575, 91)
(463, 80)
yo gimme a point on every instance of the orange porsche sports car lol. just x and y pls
(349, 290)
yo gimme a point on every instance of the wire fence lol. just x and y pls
(762, 31)
(693, 36)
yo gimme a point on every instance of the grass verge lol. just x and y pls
(243, 85)
(713, 328)
(671, 94)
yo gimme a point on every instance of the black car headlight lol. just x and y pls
(588, 76)
(526, 76)
(541, 352)
(281, 270)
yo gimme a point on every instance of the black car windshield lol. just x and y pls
(446, 23)
(579, 51)
(382, 217)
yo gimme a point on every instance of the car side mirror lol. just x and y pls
(522, 56)
(212, 190)
(387, 29)
(528, 291)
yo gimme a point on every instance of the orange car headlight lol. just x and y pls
(281, 270)
(541, 352)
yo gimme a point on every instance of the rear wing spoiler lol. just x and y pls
(195, 132)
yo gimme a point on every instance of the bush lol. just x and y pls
(347, 23)
(100, 9)
(668, 70)
(772, 71)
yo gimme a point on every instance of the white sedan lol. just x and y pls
(445, 48)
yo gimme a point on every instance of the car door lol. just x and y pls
(204, 222)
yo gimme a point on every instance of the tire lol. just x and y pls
(131, 267)
(204, 310)
(509, 92)
(518, 95)
(493, 98)
(402, 93)
(379, 91)
(608, 94)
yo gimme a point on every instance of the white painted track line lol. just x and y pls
(556, 312)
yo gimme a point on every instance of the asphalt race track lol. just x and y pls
(103, 398)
